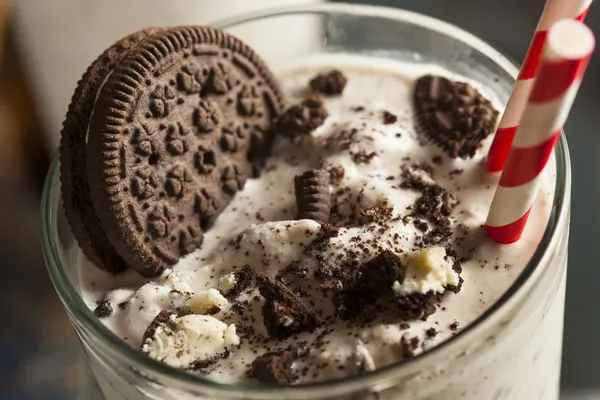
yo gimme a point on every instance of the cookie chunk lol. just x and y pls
(283, 312)
(312, 195)
(453, 114)
(331, 83)
(303, 118)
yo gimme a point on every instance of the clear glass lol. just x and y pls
(511, 352)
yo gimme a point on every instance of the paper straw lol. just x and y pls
(565, 56)
(553, 11)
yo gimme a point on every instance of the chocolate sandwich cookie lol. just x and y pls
(453, 114)
(177, 128)
(74, 185)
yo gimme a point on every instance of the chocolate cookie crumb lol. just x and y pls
(456, 267)
(416, 305)
(435, 203)
(438, 234)
(103, 309)
(275, 367)
(239, 307)
(431, 333)
(312, 195)
(283, 312)
(421, 225)
(331, 83)
(362, 157)
(297, 268)
(325, 234)
(336, 174)
(203, 367)
(388, 118)
(380, 273)
(453, 326)
(301, 119)
(417, 176)
(243, 278)
(374, 279)
(162, 318)
(452, 114)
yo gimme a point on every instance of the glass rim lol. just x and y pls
(91, 325)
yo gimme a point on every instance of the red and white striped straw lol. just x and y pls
(553, 11)
(566, 53)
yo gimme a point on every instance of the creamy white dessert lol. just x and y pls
(372, 158)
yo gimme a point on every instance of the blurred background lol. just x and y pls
(45, 45)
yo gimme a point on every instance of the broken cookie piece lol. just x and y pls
(283, 312)
(388, 118)
(303, 118)
(378, 274)
(409, 346)
(435, 203)
(330, 83)
(416, 305)
(275, 367)
(161, 318)
(374, 279)
(235, 282)
(103, 309)
(431, 273)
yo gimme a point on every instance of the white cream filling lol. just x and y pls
(428, 270)
(207, 301)
(185, 342)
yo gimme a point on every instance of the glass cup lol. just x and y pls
(512, 351)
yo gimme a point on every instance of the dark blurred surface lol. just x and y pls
(39, 356)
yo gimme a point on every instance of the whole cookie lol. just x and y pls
(177, 129)
(74, 184)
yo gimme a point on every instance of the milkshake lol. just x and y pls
(356, 251)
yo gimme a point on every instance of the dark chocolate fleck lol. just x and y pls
(103, 309)
(388, 118)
